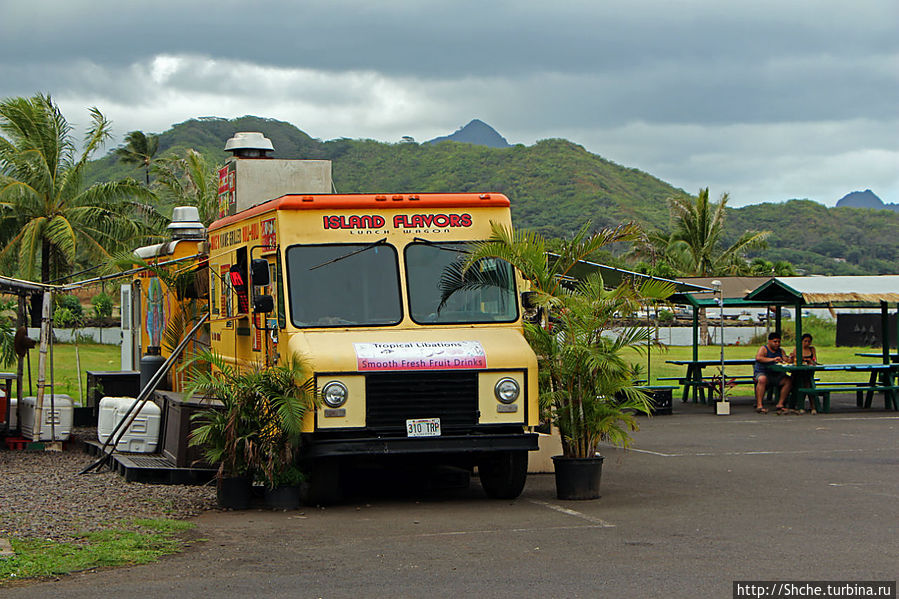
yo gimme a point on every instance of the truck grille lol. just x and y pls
(393, 397)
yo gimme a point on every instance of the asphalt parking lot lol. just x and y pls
(698, 502)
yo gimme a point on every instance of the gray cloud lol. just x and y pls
(770, 99)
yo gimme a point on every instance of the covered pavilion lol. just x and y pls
(832, 292)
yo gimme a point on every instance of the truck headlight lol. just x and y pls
(506, 390)
(334, 394)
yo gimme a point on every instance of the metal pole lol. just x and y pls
(716, 284)
(722, 408)
(721, 303)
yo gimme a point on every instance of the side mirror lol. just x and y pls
(259, 270)
(527, 300)
(263, 304)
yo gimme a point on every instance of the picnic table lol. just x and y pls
(893, 357)
(882, 379)
(694, 380)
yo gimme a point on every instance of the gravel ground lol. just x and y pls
(43, 496)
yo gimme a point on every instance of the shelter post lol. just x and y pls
(798, 335)
(885, 331)
(695, 333)
(20, 322)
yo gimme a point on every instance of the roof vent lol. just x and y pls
(249, 144)
(186, 223)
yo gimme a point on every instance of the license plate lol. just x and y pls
(423, 427)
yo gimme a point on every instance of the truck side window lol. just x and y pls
(239, 283)
(213, 289)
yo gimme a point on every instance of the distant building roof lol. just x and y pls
(829, 291)
(731, 287)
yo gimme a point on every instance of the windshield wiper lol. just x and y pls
(359, 251)
(440, 246)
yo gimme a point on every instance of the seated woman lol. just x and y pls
(810, 358)
(809, 355)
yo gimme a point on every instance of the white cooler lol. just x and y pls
(142, 436)
(57, 420)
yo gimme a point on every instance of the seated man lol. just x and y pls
(770, 353)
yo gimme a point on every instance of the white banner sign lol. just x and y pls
(421, 355)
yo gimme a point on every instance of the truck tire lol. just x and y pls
(503, 474)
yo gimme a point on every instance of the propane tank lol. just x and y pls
(150, 363)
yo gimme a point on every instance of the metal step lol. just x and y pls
(152, 468)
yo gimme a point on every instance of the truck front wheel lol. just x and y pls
(503, 474)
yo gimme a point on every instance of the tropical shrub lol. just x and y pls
(257, 428)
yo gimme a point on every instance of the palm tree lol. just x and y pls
(667, 256)
(191, 180)
(697, 241)
(139, 149)
(45, 213)
(699, 225)
(779, 268)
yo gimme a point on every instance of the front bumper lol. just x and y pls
(380, 446)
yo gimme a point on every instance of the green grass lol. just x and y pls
(107, 357)
(832, 355)
(65, 376)
(144, 542)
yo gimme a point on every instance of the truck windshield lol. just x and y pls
(341, 285)
(487, 294)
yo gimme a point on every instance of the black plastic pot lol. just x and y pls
(234, 492)
(577, 478)
(283, 498)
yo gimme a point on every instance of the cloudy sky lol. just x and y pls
(768, 99)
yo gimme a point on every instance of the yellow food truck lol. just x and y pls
(352, 284)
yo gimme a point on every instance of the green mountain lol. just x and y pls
(821, 240)
(555, 186)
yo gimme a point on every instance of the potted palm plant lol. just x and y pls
(285, 396)
(252, 427)
(586, 384)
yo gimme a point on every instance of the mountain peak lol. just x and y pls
(864, 199)
(476, 132)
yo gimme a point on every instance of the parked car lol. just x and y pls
(784, 314)
(682, 313)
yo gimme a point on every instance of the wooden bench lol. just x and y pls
(712, 382)
(889, 394)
